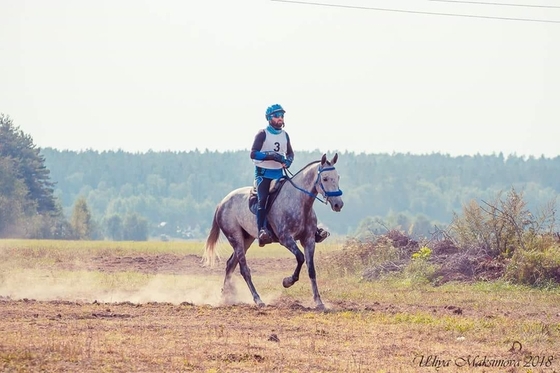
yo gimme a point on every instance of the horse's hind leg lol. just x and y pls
(228, 291)
(240, 246)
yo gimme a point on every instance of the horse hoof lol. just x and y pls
(287, 282)
(261, 304)
(321, 307)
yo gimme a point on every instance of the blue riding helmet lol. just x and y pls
(273, 109)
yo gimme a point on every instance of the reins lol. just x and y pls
(335, 193)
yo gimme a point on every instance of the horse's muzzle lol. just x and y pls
(336, 204)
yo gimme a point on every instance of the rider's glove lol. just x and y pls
(288, 162)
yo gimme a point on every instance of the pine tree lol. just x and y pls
(28, 165)
(13, 203)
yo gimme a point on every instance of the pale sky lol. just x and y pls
(180, 75)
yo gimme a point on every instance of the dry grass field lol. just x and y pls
(152, 307)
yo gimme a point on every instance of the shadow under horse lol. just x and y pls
(291, 217)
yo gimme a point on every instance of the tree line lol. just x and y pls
(50, 193)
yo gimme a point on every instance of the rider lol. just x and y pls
(271, 152)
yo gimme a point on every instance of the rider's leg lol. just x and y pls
(261, 216)
(263, 186)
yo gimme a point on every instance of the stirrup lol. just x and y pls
(321, 235)
(264, 237)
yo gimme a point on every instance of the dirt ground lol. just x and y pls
(61, 335)
(187, 264)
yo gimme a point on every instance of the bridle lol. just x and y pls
(326, 194)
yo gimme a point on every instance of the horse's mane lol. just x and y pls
(303, 168)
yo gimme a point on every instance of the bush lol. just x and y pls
(498, 226)
(385, 252)
(487, 243)
(419, 270)
(537, 267)
(357, 255)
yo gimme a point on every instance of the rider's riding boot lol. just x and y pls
(264, 237)
(321, 235)
(263, 234)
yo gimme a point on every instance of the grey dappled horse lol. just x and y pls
(291, 217)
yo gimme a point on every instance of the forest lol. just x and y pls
(172, 195)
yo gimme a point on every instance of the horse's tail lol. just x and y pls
(210, 254)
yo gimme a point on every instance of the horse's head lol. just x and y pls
(327, 183)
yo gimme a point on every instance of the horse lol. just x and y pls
(291, 218)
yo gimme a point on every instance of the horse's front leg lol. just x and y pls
(291, 245)
(309, 247)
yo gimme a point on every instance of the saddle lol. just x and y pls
(275, 187)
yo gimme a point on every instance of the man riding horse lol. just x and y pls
(271, 153)
(291, 219)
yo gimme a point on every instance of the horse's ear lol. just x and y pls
(323, 159)
(335, 158)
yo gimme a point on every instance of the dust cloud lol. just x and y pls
(84, 286)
